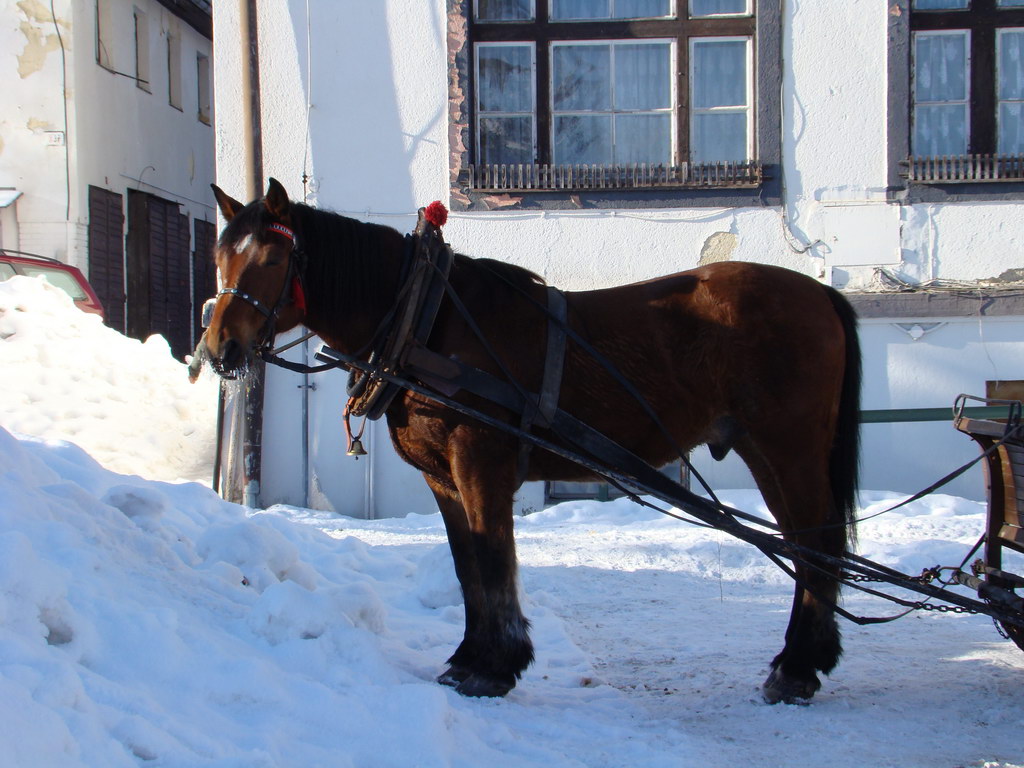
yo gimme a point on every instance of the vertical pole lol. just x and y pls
(253, 387)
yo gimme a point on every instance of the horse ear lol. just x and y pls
(276, 199)
(229, 207)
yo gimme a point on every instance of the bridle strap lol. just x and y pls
(256, 303)
(293, 275)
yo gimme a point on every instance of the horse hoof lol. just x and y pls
(789, 690)
(453, 677)
(482, 686)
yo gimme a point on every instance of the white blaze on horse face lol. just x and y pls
(243, 245)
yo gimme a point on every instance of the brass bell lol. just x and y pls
(356, 449)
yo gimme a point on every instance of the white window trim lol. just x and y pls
(747, 109)
(591, 19)
(532, 114)
(671, 110)
(965, 104)
(999, 102)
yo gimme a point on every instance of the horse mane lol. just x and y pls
(345, 258)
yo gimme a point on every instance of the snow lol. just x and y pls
(144, 621)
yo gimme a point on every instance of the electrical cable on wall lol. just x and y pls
(64, 100)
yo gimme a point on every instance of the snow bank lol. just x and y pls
(144, 621)
(152, 623)
(128, 403)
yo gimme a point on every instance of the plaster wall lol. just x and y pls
(114, 134)
(33, 132)
(372, 79)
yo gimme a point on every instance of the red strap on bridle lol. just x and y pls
(298, 295)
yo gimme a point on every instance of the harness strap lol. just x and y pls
(551, 385)
(431, 262)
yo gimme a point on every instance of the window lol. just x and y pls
(141, 50)
(174, 68)
(967, 90)
(203, 87)
(104, 34)
(597, 94)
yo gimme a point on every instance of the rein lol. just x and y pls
(400, 361)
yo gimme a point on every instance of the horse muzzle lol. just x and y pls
(233, 358)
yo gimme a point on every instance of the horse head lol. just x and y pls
(260, 276)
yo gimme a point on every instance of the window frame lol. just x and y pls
(749, 92)
(982, 18)
(533, 85)
(142, 58)
(762, 27)
(611, 111)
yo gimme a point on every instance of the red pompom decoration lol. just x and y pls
(436, 214)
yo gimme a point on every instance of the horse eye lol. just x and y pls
(275, 257)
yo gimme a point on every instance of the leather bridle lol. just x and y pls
(293, 279)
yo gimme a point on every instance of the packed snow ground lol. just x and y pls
(147, 622)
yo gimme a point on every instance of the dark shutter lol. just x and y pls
(204, 272)
(106, 253)
(159, 290)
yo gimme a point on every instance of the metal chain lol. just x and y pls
(928, 575)
(923, 606)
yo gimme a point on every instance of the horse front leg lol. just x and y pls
(496, 647)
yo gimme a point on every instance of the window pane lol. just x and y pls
(1010, 3)
(940, 67)
(640, 9)
(1011, 128)
(719, 137)
(580, 9)
(504, 10)
(643, 76)
(583, 139)
(6, 271)
(717, 7)
(719, 74)
(577, 10)
(940, 130)
(506, 140)
(505, 78)
(643, 139)
(940, 5)
(581, 77)
(1011, 64)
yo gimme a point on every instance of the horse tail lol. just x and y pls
(844, 460)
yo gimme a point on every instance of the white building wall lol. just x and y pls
(115, 135)
(375, 77)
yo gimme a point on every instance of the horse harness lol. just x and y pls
(400, 357)
(399, 346)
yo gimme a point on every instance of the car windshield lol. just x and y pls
(56, 277)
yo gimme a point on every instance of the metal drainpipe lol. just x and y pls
(254, 385)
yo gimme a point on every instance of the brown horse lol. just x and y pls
(740, 356)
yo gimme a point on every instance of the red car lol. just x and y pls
(69, 279)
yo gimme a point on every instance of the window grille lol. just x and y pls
(535, 177)
(965, 168)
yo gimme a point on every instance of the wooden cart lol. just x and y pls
(1002, 442)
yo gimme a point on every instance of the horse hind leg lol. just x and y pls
(801, 501)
